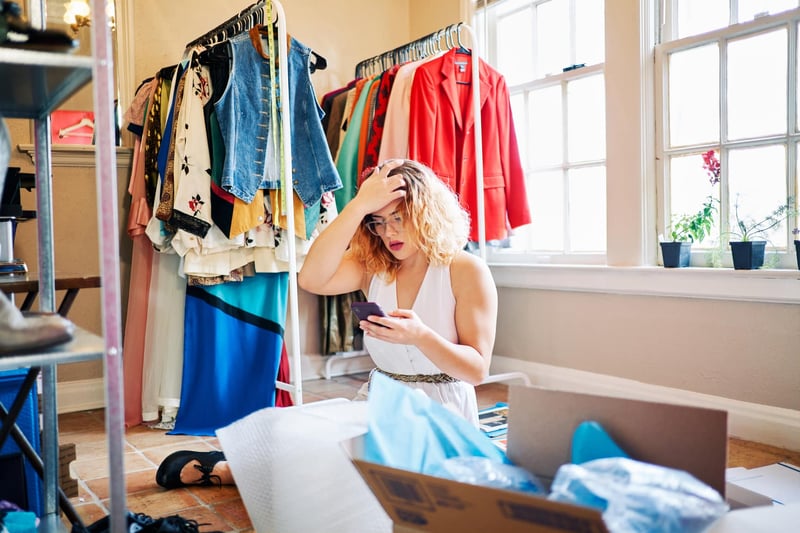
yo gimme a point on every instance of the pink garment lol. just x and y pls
(138, 290)
(394, 142)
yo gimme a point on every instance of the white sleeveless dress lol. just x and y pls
(435, 306)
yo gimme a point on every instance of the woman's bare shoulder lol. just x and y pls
(466, 267)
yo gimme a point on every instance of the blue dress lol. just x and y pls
(233, 336)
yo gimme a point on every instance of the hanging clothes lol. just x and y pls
(141, 258)
(441, 129)
(394, 141)
(233, 341)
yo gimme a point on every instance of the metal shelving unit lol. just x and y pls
(35, 83)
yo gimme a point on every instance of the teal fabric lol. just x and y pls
(409, 430)
(591, 441)
(347, 163)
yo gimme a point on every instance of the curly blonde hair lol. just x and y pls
(437, 223)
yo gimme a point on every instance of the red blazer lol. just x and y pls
(441, 130)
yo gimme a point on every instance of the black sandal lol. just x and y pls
(169, 471)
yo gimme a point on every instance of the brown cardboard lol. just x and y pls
(541, 423)
(434, 504)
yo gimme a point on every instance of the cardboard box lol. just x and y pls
(541, 423)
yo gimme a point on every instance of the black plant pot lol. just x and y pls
(676, 254)
(748, 255)
(797, 253)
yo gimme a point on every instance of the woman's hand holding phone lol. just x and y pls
(363, 310)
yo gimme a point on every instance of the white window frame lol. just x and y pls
(632, 243)
(790, 139)
(508, 255)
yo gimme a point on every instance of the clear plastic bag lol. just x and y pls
(488, 473)
(639, 497)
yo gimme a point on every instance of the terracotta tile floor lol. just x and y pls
(221, 509)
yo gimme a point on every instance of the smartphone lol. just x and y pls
(364, 309)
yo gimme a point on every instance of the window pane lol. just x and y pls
(694, 96)
(546, 124)
(514, 47)
(757, 85)
(587, 209)
(748, 9)
(586, 119)
(700, 16)
(590, 32)
(552, 37)
(546, 199)
(757, 178)
(520, 122)
(690, 188)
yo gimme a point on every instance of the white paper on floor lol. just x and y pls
(293, 474)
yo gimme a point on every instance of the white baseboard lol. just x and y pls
(80, 395)
(314, 366)
(754, 422)
(85, 394)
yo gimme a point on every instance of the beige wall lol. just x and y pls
(737, 350)
(343, 33)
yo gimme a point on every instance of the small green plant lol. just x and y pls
(694, 227)
(749, 228)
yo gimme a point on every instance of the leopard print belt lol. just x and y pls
(418, 378)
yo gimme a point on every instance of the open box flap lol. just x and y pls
(542, 421)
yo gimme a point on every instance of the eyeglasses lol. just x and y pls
(378, 227)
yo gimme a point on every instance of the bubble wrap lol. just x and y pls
(293, 474)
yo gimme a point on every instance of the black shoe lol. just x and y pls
(177, 524)
(16, 33)
(135, 522)
(169, 471)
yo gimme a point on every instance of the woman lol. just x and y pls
(400, 241)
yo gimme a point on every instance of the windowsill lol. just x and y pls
(77, 155)
(767, 286)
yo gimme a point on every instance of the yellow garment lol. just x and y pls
(247, 216)
(279, 216)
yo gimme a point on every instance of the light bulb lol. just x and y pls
(75, 9)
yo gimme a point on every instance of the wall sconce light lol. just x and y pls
(78, 14)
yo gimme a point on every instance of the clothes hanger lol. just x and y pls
(69, 131)
(461, 48)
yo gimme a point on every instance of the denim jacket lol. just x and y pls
(244, 112)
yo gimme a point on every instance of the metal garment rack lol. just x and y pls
(418, 49)
(255, 14)
(42, 81)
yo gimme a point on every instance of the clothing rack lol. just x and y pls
(418, 49)
(246, 19)
(243, 21)
(421, 48)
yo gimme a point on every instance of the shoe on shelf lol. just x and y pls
(168, 474)
(23, 332)
(16, 33)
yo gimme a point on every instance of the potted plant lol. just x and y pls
(749, 243)
(686, 229)
(796, 233)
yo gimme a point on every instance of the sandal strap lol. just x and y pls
(208, 478)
